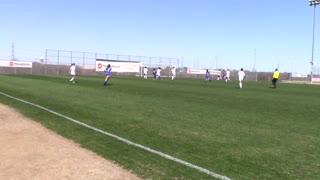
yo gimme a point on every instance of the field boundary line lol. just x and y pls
(166, 156)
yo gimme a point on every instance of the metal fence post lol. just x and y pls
(71, 57)
(58, 62)
(150, 61)
(45, 62)
(178, 64)
(84, 58)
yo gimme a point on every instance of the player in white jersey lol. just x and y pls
(241, 75)
(173, 73)
(145, 72)
(72, 72)
(227, 78)
(219, 74)
(159, 73)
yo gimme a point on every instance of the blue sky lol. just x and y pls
(207, 33)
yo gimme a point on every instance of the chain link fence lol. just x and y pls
(58, 62)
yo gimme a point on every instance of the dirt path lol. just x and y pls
(30, 151)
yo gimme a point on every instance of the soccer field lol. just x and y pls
(250, 133)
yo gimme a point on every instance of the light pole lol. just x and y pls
(313, 3)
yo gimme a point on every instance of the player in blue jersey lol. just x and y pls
(107, 72)
(154, 72)
(207, 76)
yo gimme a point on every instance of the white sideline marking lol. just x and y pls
(127, 141)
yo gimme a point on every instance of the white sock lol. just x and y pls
(71, 79)
(240, 84)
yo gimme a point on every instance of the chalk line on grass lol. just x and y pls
(185, 163)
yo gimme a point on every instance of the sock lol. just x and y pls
(240, 84)
(105, 82)
(71, 79)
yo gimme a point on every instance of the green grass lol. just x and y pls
(250, 133)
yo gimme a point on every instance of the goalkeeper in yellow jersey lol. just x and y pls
(275, 78)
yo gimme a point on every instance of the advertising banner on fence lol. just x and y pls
(315, 79)
(18, 64)
(202, 71)
(299, 75)
(118, 66)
